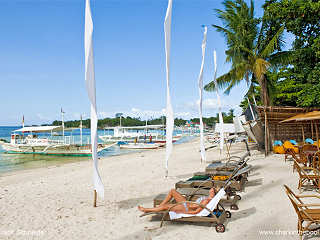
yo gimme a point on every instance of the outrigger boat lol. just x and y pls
(147, 133)
(33, 140)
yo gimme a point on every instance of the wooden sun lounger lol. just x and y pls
(307, 213)
(218, 222)
(237, 184)
(194, 189)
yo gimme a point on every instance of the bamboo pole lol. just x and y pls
(265, 133)
(94, 198)
(317, 136)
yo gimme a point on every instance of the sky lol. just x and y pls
(42, 59)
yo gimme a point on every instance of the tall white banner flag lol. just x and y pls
(91, 89)
(169, 111)
(200, 83)
(219, 101)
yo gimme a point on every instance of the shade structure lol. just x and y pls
(39, 129)
(314, 115)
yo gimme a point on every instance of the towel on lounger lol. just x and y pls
(204, 212)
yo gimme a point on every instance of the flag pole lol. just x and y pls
(81, 129)
(169, 111)
(200, 86)
(219, 103)
(94, 198)
(91, 89)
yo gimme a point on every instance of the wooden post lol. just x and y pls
(94, 198)
(317, 136)
(302, 135)
(265, 132)
(312, 129)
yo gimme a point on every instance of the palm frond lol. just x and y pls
(272, 44)
(235, 75)
(222, 82)
(282, 58)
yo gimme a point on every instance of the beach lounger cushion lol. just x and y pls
(204, 212)
(199, 177)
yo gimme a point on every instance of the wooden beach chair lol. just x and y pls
(316, 160)
(307, 175)
(217, 174)
(301, 159)
(213, 213)
(289, 153)
(307, 213)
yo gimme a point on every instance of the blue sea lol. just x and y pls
(15, 162)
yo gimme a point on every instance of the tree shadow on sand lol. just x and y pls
(263, 188)
(134, 202)
(242, 214)
(148, 233)
(255, 182)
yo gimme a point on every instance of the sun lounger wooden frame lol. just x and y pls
(306, 212)
(201, 188)
(218, 222)
(305, 176)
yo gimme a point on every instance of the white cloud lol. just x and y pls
(135, 110)
(209, 104)
(183, 114)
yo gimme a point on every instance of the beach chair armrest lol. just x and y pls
(309, 205)
(306, 196)
(308, 168)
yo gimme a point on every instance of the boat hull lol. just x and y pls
(140, 146)
(63, 150)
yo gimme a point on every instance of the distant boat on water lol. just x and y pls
(28, 140)
(138, 134)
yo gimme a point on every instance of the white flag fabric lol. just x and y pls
(219, 101)
(91, 89)
(200, 84)
(169, 111)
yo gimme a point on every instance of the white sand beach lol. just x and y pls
(56, 202)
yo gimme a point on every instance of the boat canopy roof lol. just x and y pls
(139, 127)
(39, 129)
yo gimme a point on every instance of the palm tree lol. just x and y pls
(252, 51)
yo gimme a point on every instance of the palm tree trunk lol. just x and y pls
(264, 91)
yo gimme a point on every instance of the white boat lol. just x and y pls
(33, 140)
(147, 133)
(140, 145)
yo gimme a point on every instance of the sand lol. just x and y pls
(56, 202)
